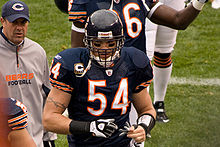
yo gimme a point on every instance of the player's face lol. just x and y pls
(15, 31)
(104, 49)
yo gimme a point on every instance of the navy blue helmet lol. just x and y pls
(104, 25)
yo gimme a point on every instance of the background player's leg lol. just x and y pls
(162, 76)
(165, 41)
(162, 71)
(150, 32)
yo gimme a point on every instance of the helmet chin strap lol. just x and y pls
(111, 7)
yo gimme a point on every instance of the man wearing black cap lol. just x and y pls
(24, 67)
(15, 18)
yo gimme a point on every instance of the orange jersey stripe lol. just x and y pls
(144, 84)
(20, 127)
(17, 118)
(77, 17)
(61, 88)
(78, 13)
(19, 122)
(79, 20)
(61, 84)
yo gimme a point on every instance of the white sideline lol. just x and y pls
(195, 81)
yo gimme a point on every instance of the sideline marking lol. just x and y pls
(195, 81)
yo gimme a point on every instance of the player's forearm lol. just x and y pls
(150, 111)
(179, 20)
(21, 138)
(56, 123)
(185, 17)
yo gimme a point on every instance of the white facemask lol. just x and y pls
(108, 62)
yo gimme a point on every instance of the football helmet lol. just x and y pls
(104, 26)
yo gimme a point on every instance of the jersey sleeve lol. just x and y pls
(17, 117)
(60, 76)
(77, 10)
(144, 71)
(144, 77)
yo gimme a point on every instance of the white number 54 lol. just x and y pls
(120, 100)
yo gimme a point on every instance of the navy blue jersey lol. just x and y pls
(98, 92)
(131, 12)
(16, 113)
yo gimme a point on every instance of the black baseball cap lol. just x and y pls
(14, 9)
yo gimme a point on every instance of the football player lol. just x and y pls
(17, 134)
(133, 14)
(98, 84)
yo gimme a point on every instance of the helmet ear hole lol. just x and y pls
(104, 25)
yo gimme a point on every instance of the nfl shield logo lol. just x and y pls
(109, 72)
(117, 1)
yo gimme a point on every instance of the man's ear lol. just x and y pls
(2, 20)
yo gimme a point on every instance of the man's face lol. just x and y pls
(15, 31)
(107, 48)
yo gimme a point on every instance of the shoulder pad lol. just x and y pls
(15, 106)
(71, 56)
(138, 57)
(17, 118)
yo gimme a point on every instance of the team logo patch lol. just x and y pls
(117, 1)
(109, 72)
(18, 7)
(78, 68)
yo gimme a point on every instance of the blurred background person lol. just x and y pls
(24, 66)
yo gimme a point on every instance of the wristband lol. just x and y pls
(147, 121)
(197, 5)
(79, 127)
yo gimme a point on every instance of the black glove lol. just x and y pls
(125, 129)
(103, 127)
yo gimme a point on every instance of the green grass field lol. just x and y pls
(194, 109)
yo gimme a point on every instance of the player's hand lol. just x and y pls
(198, 4)
(103, 127)
(137, 133)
